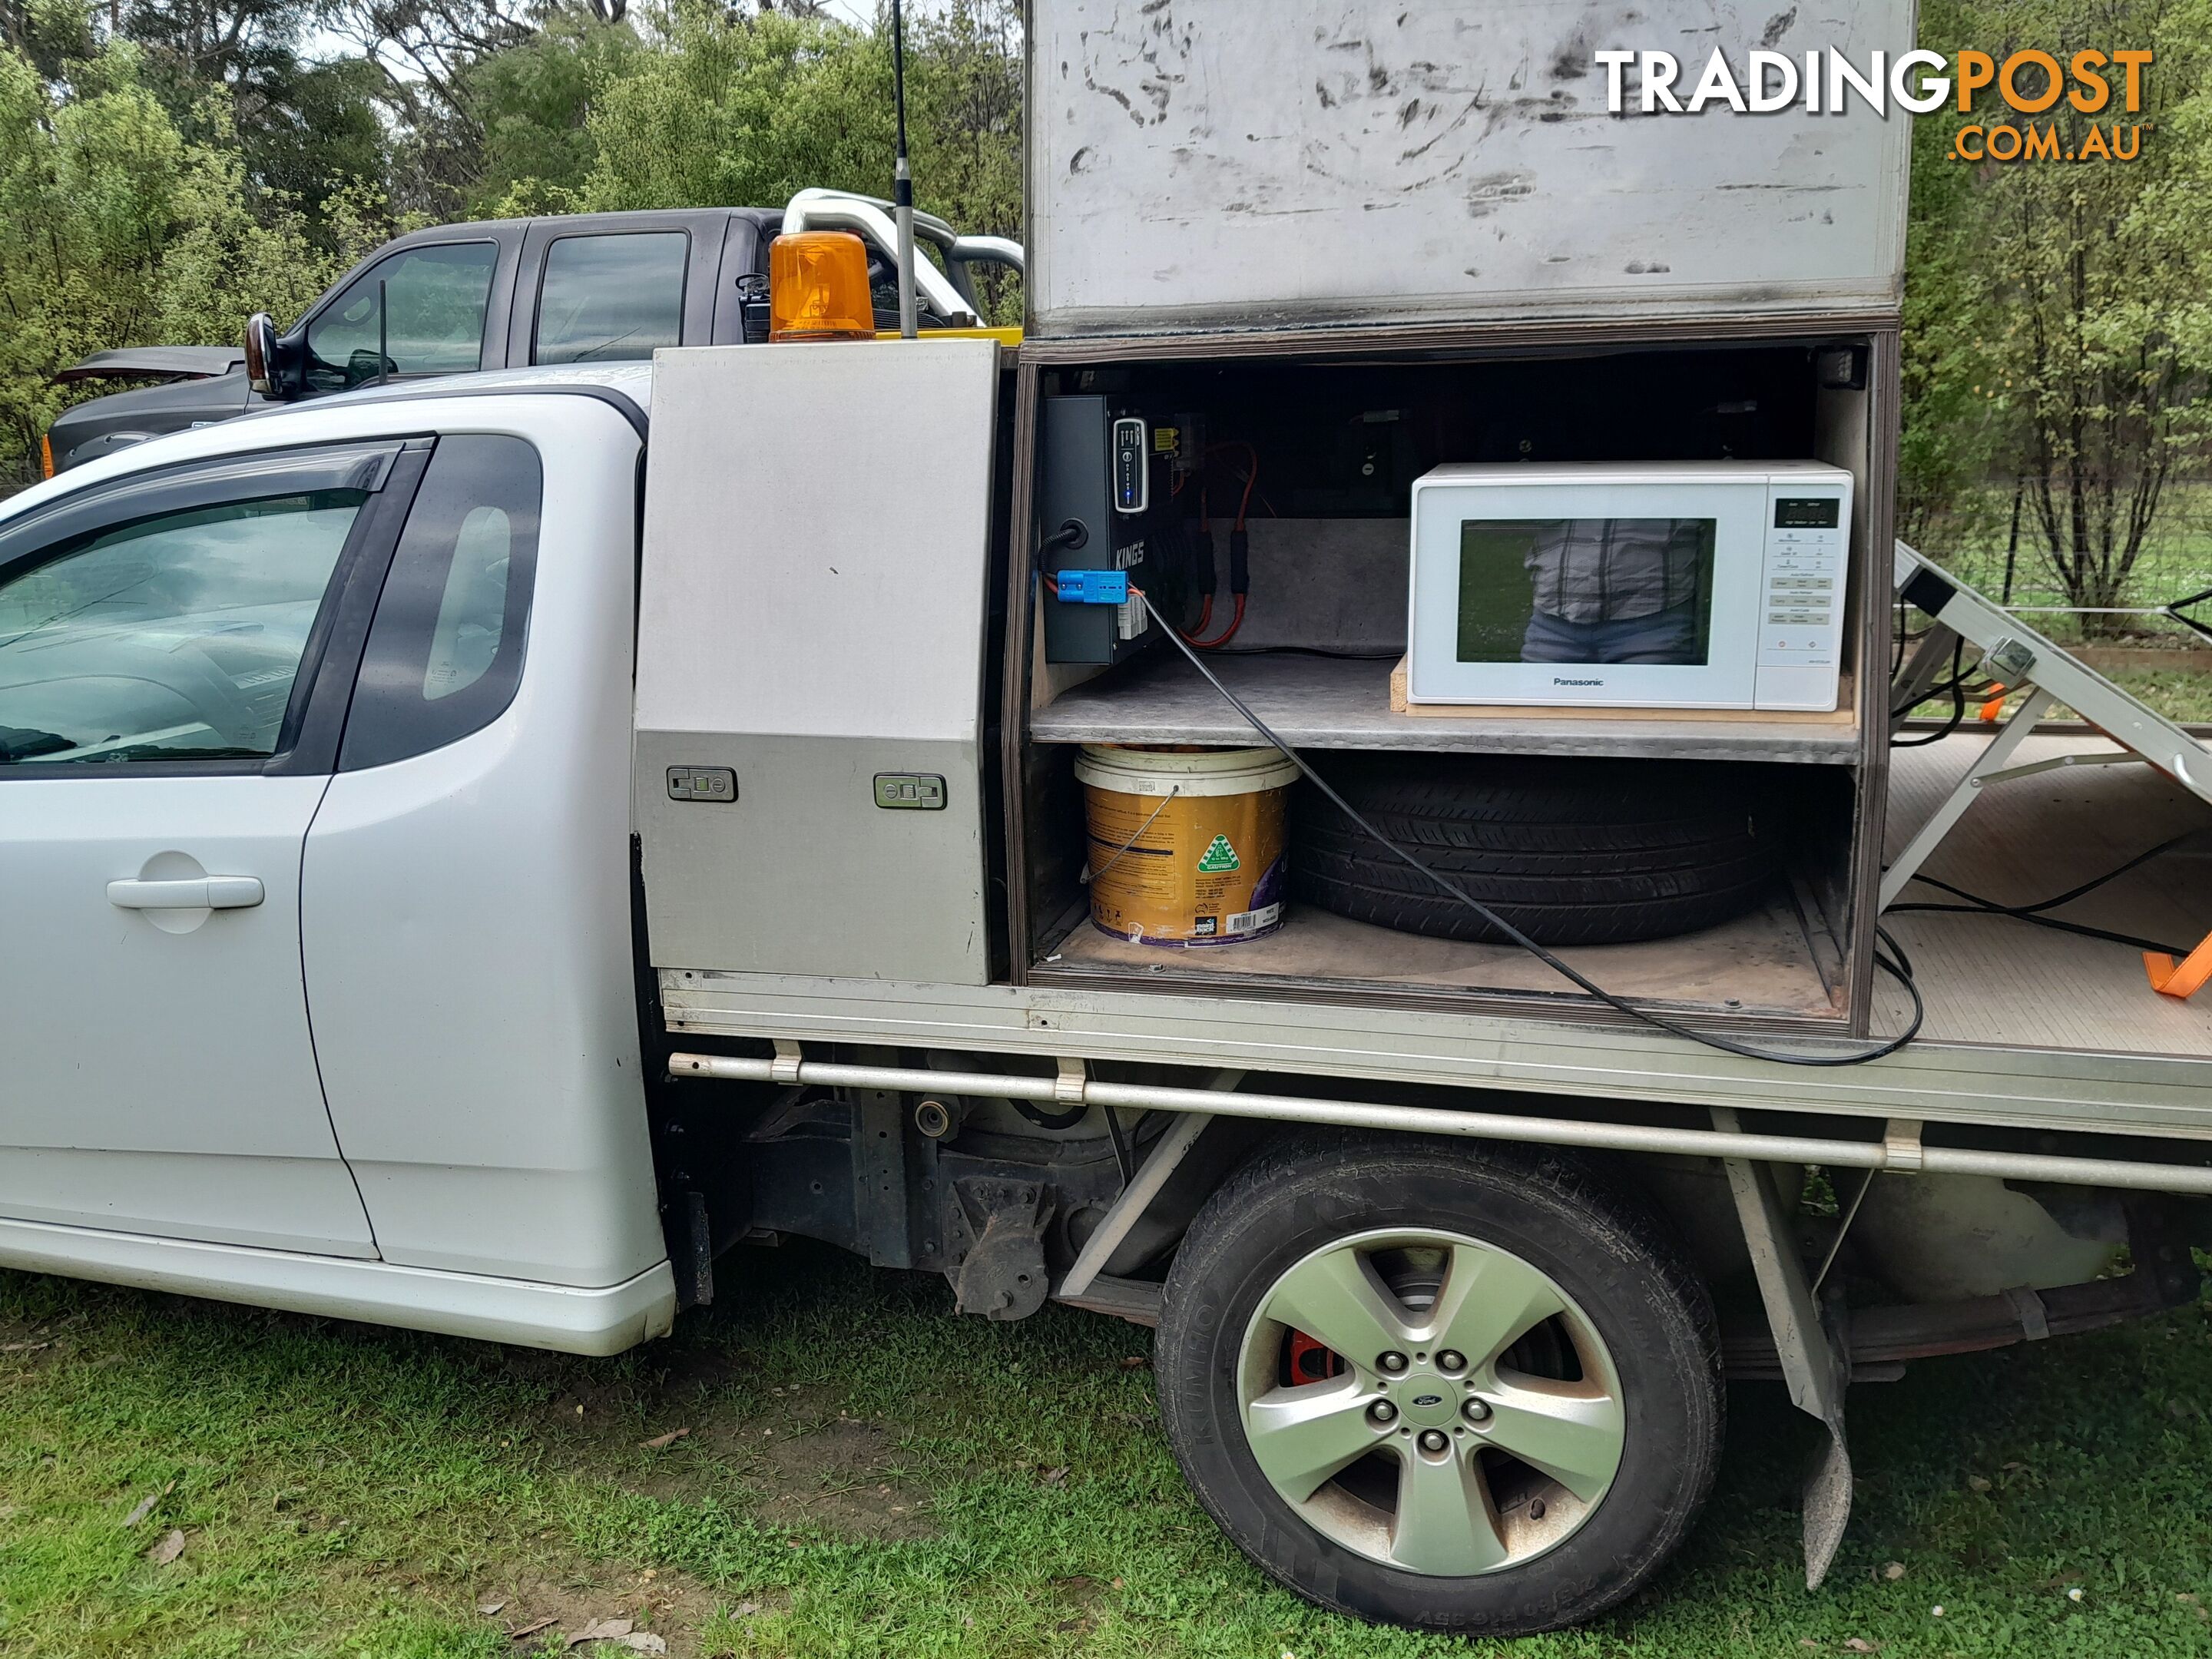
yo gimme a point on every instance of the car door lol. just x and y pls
(466, 883)
(424, 309)
(613, 289)
(175, 648)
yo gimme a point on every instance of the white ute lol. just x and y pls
(474, 853)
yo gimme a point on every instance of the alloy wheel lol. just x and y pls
(1430, 1402)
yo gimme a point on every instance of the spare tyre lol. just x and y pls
(1571, 851)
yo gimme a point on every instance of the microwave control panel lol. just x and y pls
(1801, 588)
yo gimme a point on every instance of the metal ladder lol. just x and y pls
(2016, 656)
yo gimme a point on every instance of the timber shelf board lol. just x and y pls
(1757, 967)
(1327, 702)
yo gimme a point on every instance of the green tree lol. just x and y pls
(715, 108)
(303, 129)
(735, 110)
(46, 32)
(964, 109)
(426, 54)
(2059, 327)
(532, 102)
(115, 229)
(1949, 434)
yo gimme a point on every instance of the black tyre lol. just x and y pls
(1570, 851)
(1513, 1410)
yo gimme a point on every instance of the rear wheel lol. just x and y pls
(1439, 1387)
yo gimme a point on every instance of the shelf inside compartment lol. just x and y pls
(1765, 964)
(1330, 702)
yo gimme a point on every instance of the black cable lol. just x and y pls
(1900, 967)
(2073, 893)
(1122, 1154)
(2061, 925)
(1958, 708)
(2032, 913)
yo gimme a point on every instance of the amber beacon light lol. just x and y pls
(818, 287)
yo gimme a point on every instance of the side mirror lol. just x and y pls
(261, 354)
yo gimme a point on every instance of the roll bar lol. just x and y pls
(947, 294)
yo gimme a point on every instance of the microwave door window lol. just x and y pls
(1586, 591)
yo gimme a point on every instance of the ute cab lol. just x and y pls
(315, 739)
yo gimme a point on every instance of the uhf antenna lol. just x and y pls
(903, 183)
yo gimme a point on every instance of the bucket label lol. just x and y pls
(1219, 855)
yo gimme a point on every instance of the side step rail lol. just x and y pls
(792, 1067)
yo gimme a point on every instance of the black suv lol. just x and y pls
(589, 288)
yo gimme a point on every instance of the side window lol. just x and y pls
(437, 297)
(175, 638)
(606, 299)
(445, 651)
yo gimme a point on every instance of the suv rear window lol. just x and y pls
(610, 299)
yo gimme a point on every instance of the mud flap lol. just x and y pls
(1814, 1356)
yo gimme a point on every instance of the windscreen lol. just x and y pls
(1586, 591)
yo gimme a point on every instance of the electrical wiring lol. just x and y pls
(1201, 555)
(1236, 622)
(1891, 958)
(2080, 929)
(1976, 905)
(1957, 688)
(1961, 688)
(1240, 578)
(1251, 474)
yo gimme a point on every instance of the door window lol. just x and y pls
(608, 299)
(436, 296)
(445, 652)
(175, 638)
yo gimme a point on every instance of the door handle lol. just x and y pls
(194, 893)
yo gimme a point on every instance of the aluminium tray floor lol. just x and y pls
(1992, 979)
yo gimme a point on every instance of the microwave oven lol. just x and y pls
(1651, 584)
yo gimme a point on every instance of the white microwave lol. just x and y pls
(1649, 584)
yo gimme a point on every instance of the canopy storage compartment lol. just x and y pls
(1735, 912)
(815, 639)
(1289, 477)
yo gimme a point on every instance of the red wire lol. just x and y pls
(1205, 528)
(1236, 622)
(1243, 505)
(1251, 477)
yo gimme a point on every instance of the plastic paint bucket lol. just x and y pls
(1186, 845)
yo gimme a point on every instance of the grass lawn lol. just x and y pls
(864, 1474)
